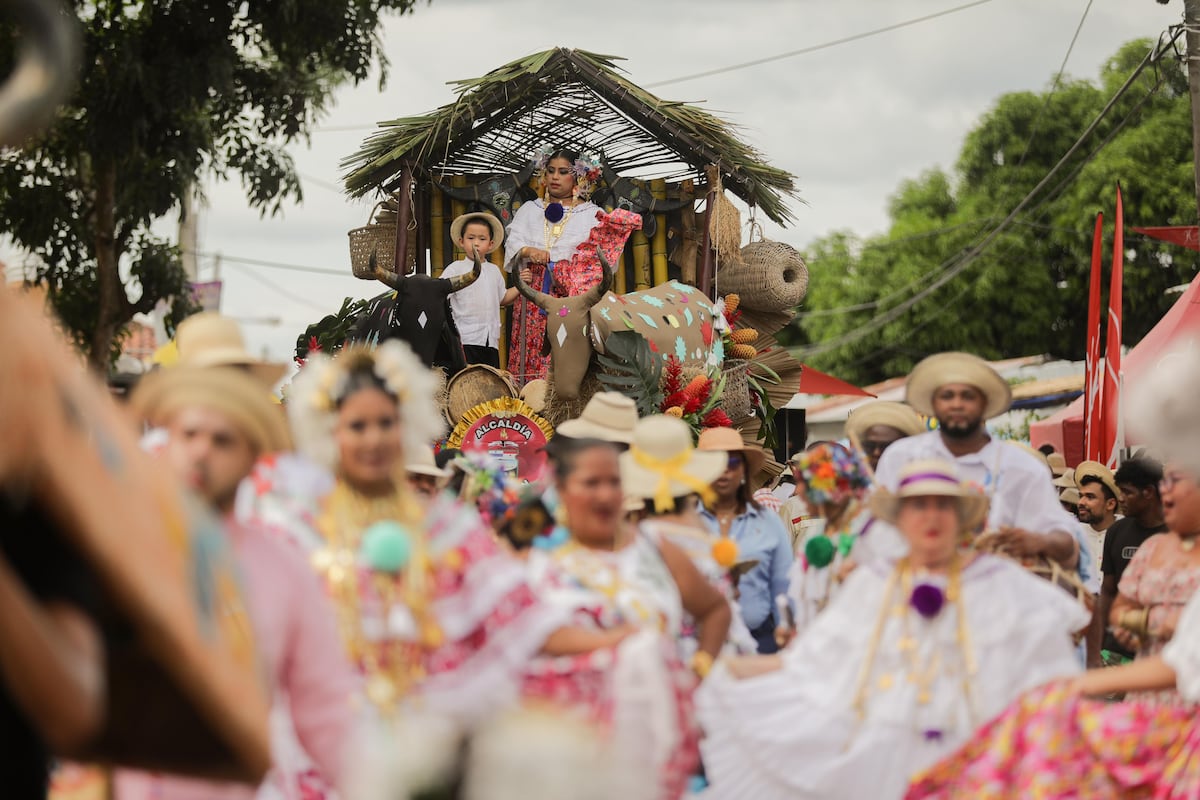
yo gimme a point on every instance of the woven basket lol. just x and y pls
(735, 397)
(476, 384)
(772, 277)
(379, 238)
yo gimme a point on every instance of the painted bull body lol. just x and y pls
(675, 319)
(418, 312)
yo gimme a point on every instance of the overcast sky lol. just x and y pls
(850, 121)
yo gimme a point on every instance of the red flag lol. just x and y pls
(1111, 443)
(1093, 375)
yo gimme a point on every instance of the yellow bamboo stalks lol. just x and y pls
(619, 286)
(437, 231)
(641, 260)
(658, 248)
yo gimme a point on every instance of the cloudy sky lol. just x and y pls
(849, 121)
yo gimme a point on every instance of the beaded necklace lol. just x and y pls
(898, 601)
(391, 665)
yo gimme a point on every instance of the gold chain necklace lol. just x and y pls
(553, 232)
(593, 571)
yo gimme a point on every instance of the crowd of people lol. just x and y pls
(913, 617)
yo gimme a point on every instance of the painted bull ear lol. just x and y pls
(606, 279)
(466, 279)
(539, 299)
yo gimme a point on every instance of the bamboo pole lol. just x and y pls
(403, 215)
(688, 245)
(437, 229)
(658, 247)
(708, 259)
(641, 260)
(421, 216)
(620, 286)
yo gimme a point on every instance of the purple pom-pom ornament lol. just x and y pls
(554, 212)
(927, 600)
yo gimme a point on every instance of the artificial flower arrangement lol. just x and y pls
(696, 402)
(739, 342)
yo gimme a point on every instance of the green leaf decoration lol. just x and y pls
(331, 332)
(633, 369)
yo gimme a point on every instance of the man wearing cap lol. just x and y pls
(962, 391)
(218, 421)
(875, 426)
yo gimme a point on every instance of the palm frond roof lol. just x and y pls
(575, 99)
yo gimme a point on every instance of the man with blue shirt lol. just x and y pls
(759, 533)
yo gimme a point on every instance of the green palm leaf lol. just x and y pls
(633, 369)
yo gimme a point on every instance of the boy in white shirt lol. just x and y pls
(476, 308)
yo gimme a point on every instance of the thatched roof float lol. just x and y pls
(573, 98)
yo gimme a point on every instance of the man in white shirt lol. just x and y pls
(476, 308)
(961, 391)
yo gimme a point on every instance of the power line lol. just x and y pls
(1057, 78)
(814, 48)
(894, 313)
(275, 264)
(281, 291)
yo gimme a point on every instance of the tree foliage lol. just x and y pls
(171, 90)
(1028, 292)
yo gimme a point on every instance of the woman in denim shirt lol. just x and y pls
(759, 533)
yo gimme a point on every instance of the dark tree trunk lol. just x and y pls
(112, 304)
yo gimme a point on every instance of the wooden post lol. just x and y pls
(437, 229)
(687, 247)
(658, 247)
(421, 215)
(457, 209)
(708, 259)
(403, 215)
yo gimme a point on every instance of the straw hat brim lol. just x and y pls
(885, 505)
(269, 373)
(1094, 469)
(883, 412)
(228, 390)
(1065, 481)
(456, 228)
(728, 440)
(638, 481)
(948, 368)
(580, 428)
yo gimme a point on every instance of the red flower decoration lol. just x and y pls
(717, 419)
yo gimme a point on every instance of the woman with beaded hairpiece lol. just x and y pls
(437, 616)
(899, 669)
(543, 236)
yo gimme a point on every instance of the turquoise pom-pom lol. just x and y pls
(553, 540)
(818, 551)
(386, 546)
(696, 784)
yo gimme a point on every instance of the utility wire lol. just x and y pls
(814, 48)
(894, 313)
(275, 264)
(1057, 79)
(280, 290)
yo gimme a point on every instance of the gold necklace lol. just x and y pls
(553, 232)
(593, 571)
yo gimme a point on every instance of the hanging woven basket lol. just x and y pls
(771, 277)
(735, 397)
(378, 237)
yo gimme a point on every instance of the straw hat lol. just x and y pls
(460, 222)
(1066, 481)
(1094, 469)
(609, 416)
(931, 477)
(730, 441)
(1070, 497)
(424, 463)
(884, 412)
(533, 394)
(942, 369)
(225, 389)
(1057, 462)
(209, 339)
(661, 463)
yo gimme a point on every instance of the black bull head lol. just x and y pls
(675, 319)
(417, 312)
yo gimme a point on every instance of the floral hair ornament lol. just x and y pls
(323, 384)
(831, 474)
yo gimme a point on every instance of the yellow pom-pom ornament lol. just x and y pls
(674, 411)
(725, 552)
(731, 302)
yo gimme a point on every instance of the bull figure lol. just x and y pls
(418, 312)
(675, 319)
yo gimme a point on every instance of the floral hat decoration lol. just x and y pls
(831, 473)
(322, 385)
(586, 168)
(513, 508)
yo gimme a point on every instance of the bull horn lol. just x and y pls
(539, 299)
(384, 276)
(467, 278)
(604, 284)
